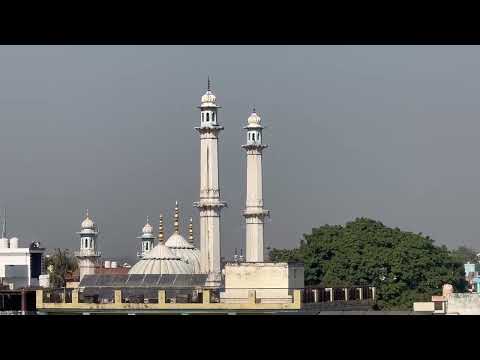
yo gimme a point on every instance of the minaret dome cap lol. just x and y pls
(88, 223)
(208, 97)
(254, 119)
(147, 229)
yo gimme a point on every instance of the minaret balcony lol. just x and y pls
(210, 203)
(256, 212)
(254, 146)
(87, 253)
(209, 128)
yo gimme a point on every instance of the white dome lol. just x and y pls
(208, 98)
(191, 257)
(88, 223)
(161, 260)
(177, 241)
(254, 119)
(185, 250)
(147, 229)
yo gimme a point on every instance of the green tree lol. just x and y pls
(465, 254)
(403, 266)
(59, 265)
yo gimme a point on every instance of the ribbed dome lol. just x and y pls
(161, 260)
(190, 256)
(185, 250)
(254, 119)
(179, 242)
(209, 97)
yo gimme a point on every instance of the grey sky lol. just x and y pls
(388, 132)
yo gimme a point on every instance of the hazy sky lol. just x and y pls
(387, 132)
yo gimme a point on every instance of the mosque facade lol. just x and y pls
(175, 255)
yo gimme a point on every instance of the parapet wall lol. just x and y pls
(463, 304)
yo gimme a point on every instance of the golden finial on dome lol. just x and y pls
(86, 213)
(160, 229)
(176, 216)
(190, 231)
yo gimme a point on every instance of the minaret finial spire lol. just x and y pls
(190, 231)
(208, 83)
(86, 212)
(254, 109)
(176, 216)
(160, 229)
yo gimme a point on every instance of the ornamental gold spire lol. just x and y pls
(176, 217)
(160, 229)
(190, 231)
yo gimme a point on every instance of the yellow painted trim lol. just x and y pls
(206, 305)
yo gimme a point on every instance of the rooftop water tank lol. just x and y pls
(114, 264)
(13, 243)
(107, 264)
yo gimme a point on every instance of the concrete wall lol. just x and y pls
(463, 304)
(424, 306)
(273, 282)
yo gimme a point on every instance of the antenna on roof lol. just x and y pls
(4, 230)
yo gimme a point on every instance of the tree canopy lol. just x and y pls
(59, 265)
(403, 266)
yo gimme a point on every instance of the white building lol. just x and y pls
(19, 266)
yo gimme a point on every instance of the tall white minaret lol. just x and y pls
(146, 238)
(254, 212)
(209, 204)
(88, 255)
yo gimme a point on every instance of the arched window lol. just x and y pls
(253, 136)
(203, 117)
(86, 243)
(208, 117)
(213, 117)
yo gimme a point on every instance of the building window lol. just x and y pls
(208, 117)
(253, 136)
(213, 117)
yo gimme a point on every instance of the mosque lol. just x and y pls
(166, 263)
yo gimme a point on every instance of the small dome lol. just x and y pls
(209, 97)
(177, 241)
(88, 223)
(254, 119)
(147, 229)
